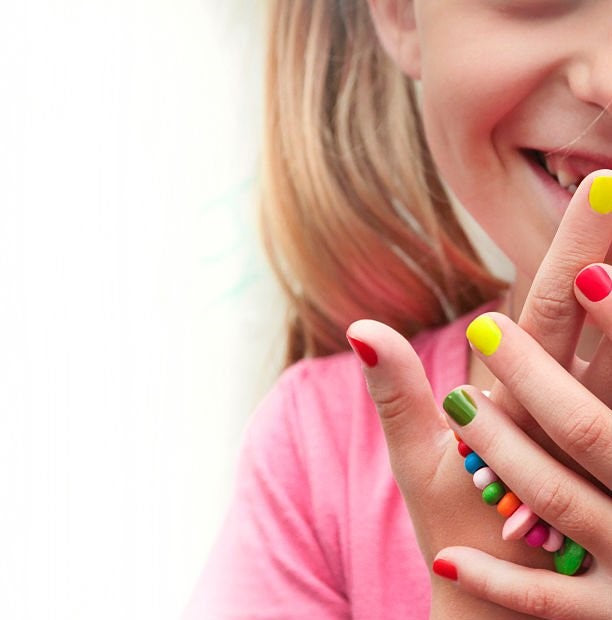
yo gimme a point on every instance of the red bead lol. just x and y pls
(463, 448)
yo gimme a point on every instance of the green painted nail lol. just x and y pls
(460, 406)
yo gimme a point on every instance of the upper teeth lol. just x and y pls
(565, 177)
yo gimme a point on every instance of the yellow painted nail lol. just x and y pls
(600, 195)
(484, 334)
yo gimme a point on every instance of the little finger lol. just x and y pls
(531, 591)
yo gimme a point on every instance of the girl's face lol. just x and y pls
(504, 82)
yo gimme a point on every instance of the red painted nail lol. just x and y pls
(594, 282)
(445, 569)
(365, 352)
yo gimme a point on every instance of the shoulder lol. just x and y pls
(315, 398)
(325, 396)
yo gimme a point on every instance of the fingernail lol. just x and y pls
(484, 334)
(460, 406)
(594, 282)
(445, 569)
(365, 352)
(600, 195)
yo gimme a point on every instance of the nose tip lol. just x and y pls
(591, 77)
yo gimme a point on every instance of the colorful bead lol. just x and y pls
(569, 558)
(521, 522)
(554, 540)
(517, 525)
(463, 449)
(493, 493)
(484, 477)
(473, 462)
(508, 504)
(537, 535)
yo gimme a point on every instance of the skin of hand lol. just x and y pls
(445, 507)
(554, 313)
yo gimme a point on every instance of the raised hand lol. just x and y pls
(581, 425)
(552, 314)
(443, 503)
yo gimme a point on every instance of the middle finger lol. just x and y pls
(578, 422)
(551, 313)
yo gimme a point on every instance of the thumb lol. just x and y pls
(415, 430)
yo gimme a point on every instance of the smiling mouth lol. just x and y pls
(565, 177)
(569, 167)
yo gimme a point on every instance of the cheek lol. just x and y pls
(472, 83)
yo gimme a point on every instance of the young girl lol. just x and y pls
(336, 515)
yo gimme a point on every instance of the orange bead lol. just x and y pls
(508, 504)
(457, 436)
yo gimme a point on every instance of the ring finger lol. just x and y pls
(592, 288)
(552, 491)
(576, 420)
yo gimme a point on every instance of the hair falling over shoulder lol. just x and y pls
(353, 216)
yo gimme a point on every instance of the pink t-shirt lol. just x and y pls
(317, 528)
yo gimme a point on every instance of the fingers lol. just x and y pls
(592, 288)
(535, 592)
(551, 314)
(416, 431)
(555, 493)
(577, 421)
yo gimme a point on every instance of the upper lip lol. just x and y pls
(583, 161)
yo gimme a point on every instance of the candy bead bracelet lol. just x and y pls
(521, 522)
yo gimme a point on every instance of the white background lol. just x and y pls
(138, 322)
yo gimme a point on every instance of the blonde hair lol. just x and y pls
(353, 215)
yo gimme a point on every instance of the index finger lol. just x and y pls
(551, 313)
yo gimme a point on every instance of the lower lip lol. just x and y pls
(560, 196)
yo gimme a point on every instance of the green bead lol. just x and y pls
(569, 558)
(492, 493)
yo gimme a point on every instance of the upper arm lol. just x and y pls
(268, 561)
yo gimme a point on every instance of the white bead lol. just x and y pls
(484, 477)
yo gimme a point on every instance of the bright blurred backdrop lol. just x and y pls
(139, 324)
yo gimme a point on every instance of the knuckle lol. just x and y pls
(586, 432)
(534, 600)
(517, 373)
(548, 305)
(390, 401)
(552, 501)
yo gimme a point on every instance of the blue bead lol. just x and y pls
(473, 462)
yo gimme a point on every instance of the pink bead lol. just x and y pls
(519, 523)
(484, 477)
(554, 540)
(537, 535)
